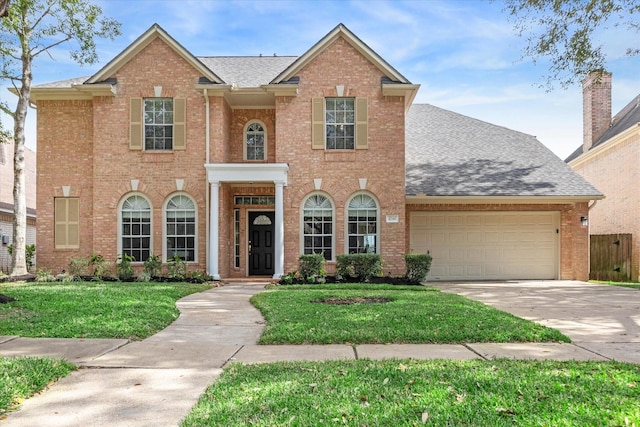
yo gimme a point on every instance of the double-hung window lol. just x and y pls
(180, 215)
(158, 124)
(362, 225)
(317, 222)
(339, 123)
(136, 227)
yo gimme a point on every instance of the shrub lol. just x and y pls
(124, 268)
(361, 266)
(29, 253)
(144, 277)
(45, 276)
(311, 267)
(198, 277)
(418, 266)
(65, 277)
(101, 267)
(79, 267)
(177, 268)
(152, 266)
(287, 279)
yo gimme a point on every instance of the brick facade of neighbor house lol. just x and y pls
(609, 159)
(88, 153)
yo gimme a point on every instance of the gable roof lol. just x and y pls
(341, 31)
(626, 118)
(448, 154)
(154, 32)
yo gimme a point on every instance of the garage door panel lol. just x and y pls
(488, 245)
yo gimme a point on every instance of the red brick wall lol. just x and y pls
(64, 157)
(574, 239)
(238, 124)
(616, 174)
(382, 164)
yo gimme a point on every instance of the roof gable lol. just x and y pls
(154, 32)
(341, 31)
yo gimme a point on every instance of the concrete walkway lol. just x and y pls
(155, 382)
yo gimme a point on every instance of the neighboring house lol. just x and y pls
(240, 164)
(6, 200)
(609, 158)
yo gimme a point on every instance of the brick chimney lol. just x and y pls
(596, 107)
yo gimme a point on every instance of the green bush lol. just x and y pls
(152, 266)
(418, 266)
(177, 268)
(311, 267)
(45, 276)
(101, 267)
(124, 268)
(361, 266)
(79, 267)
(29, 253)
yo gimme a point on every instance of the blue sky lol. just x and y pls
(464, 54)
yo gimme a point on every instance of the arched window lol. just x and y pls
(317, 223)
(362, 225)
(255, 141)
(135, 219)
(180, 227)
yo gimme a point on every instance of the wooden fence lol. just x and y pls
(610, 257)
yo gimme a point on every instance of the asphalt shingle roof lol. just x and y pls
(247, 71)
(448, 154)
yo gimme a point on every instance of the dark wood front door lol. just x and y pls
(261, 234)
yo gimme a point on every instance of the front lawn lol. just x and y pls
(24, 376)
(416, 393)
(360, 313)
(91, 309)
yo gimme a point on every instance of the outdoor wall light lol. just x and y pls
(585, 221)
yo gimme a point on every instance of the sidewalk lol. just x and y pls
(155, 382)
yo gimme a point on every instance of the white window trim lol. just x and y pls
(144, 125)
(164, 226)
(119, 226)
(244, 140)
(333, 221)
(346, 220)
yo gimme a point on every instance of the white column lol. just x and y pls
(279, 230)
(214, 230)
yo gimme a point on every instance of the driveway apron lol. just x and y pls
(601, 318)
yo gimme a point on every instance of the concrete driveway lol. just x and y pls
(596, 317)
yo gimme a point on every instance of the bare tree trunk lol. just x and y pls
(19, 261)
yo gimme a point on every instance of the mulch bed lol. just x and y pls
(354, 300)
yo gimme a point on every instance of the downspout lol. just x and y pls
(207, 137)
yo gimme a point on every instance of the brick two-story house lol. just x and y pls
(609, 158)
(240, 164)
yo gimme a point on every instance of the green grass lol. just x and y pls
(91, 309)
(22, 377)
(632, 285)
(414, 315)
(416, 393)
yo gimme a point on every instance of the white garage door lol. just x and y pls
(488, 245)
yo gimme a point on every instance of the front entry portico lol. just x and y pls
(219, 173)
